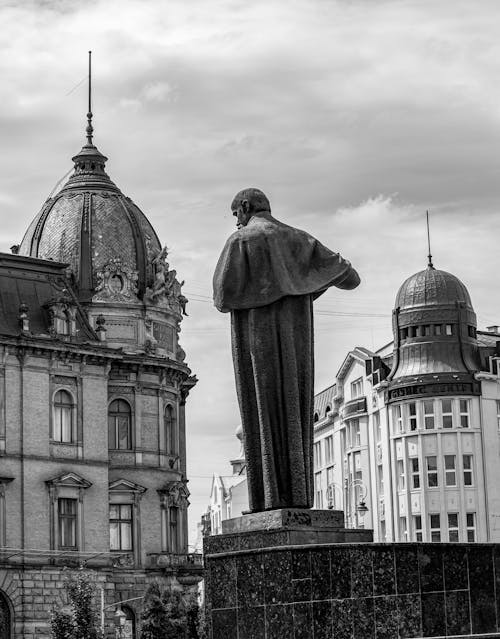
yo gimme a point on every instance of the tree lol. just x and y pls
(83, 622)
(169, 614)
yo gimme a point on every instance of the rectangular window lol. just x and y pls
(380, 479)
(356, 431)
(429, 414)
(412, 415)
(470, 520)
(450, 470)
(403, 529)
(401, 475)
(435, 526)
(468, 470)
(357, 388)
(417, 527)
(426, 329)
(317, 490)
(120, 527)
(446, 413)
(173, 513)
(464, 413)
(67, 514)
(498, 414)
(437, 329)
(397, 414)
(452, 526)
(432, 474)
(330, 487)
(415, 472)
(448, 329)
(377, 428)
(382, 531)
(318, 462)
(329, 449)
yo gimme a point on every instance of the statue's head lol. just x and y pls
(247, 203)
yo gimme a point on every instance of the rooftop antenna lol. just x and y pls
(429, 256)
(90, 129)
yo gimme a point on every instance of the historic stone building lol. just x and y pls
(407, 440)
(93, 386)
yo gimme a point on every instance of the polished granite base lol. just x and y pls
(351, 591)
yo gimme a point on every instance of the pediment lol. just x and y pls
(71, 480)
(125, 486)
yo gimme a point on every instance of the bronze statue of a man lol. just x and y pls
(268, 276)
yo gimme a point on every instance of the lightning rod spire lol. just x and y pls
(90, 128)
(429, 256)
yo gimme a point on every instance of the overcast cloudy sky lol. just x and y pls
(354, 116)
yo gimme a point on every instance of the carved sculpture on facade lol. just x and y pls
(62, 316)
(174, 494)
(116, 282)
(166, 289)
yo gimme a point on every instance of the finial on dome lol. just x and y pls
(429, 257)
(90, 128)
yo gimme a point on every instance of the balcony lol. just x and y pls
(187, 567)
(354, 407)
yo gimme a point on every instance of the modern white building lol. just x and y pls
(407, 440)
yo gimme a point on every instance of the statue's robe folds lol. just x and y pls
(267, 276)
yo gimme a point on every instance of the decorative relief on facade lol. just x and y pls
(166, 289)
(62, 316)
(65, 380)
(116, 282)
(174, 494)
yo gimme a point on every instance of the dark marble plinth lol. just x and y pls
(352, 591)
(286, 518)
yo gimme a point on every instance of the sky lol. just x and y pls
(353, 116)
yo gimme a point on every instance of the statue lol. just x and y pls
(267, 277)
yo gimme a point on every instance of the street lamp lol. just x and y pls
(119, 619)
(361, 508)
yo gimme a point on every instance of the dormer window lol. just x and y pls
(62, 316)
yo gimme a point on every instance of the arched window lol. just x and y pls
(316, 417)
(328, 409)
(63, 427)
(119, 425)
(170, 430)
(5, 618)
(129, 627)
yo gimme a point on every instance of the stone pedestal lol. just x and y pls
(261, 585)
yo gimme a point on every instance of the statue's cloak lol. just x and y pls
(267, 277)
(267, 260)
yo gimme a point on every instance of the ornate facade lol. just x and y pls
(93, 387)
(407, 440)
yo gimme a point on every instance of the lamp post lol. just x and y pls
(361, 508)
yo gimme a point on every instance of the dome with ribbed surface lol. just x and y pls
(90, 224)
(431, 287)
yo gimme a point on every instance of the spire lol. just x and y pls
(90, 128)
(429, 256)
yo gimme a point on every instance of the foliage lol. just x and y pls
(169, 614)
(83, 623)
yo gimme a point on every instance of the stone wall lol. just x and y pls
(354, 591)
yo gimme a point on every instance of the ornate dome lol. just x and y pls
(431, 287)
(89, 224)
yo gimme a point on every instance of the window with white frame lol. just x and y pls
(330, 486)
(470, 522)
(468, 470)
(120, 526)
(357, 388)
(412, 415)
(450, 475)
(403, 529)
(356, 432)
(318, 492)
(397, 415)
(376, 426)
(417, 527)
(435, 527)
(429, 422)
(453, 527)
(318, 462)
(447, 413)
(329, 449)
(415, 472)
(464, 413)
(432, 472)
(380, 479)
(63, 417)
(401, 475)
